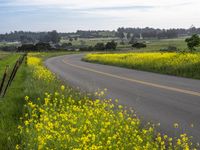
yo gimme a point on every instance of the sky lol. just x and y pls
(72, 15)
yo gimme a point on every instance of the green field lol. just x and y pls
(7, 59)
(88, 41)
(8, 44)
(39, 112)
(152, 45)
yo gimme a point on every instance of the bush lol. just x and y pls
(99, 46)
(111, 45)
(87, 48)
(42, 46)
(139, 45)
(67, 46)
(38, 47)
(27, 47)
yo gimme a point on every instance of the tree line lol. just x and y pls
(52, 36)
(146, 33)
(31, 37)
(122, 33)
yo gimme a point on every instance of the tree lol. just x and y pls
(192, 42)
(111, 45)
(70, 39)
(42, 46)
(128, 35)
(121, 35)
(133, 40)
(25, 39)
(54, 36)
(99, 46)
(26, 47)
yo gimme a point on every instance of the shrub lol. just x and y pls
(139, 45)
(26, 47)
(42, 46)
(193, 42)
(87, 48)
(111, 45)
(99, 46)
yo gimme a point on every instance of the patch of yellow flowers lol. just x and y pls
(183, 64)
(64, 123)
(58, 121)
(39, 71)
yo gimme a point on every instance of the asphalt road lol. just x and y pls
(157, 98)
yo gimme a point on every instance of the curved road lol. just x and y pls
(158, 98)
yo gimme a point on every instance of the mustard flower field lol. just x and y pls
(179, 64)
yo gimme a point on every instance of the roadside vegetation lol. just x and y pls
(179, 64)
(12, 105)
(62, 118)
(40, 112)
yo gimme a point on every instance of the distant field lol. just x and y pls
(152, 45)
(9, 44)
(88, 41)
(179, 64)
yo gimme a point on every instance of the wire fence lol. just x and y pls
(8, 78)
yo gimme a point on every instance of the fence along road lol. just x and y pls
(10, 77)
(158, 98)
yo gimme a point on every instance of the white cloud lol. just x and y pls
(110, 14)
(103, 3)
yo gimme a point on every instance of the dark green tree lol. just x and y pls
(121, 36)
(54, 36)
(128, 35)
(193, 42)
(99, 46)
(111, 45)
(42, 46)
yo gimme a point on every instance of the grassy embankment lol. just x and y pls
(10, 106)
(59, 117)
(179, 64)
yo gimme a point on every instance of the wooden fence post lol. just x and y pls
(11, 77)
(3, 80)
(14, 71)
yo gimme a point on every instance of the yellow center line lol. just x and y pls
(136, 81)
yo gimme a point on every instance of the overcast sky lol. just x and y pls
(70, 15)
